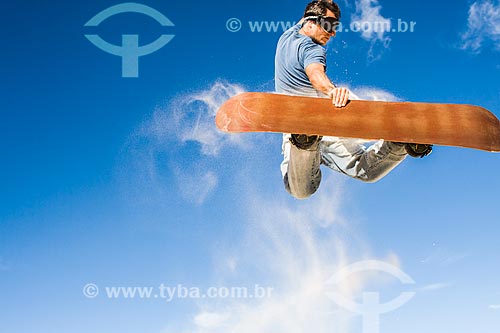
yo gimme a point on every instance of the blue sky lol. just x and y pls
(126, 182)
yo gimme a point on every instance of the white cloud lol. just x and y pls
(372, 26)
(210, 320)
(483, 25)
(442, 256)
(495, 306)
(434, 286)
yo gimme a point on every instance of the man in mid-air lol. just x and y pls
(300, 66)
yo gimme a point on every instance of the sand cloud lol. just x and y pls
(179, 139)
(190, 118)
(295, 247)
(374, 94)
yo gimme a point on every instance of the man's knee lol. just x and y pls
(373, 176)
(370, 180)
(301, 192)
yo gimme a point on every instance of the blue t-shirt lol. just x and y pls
(294, 53)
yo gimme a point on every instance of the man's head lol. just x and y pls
(320, 20)
(317, 8)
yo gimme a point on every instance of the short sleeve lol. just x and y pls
(312, 53)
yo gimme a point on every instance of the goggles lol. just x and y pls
(328, 23)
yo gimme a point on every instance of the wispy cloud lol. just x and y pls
(210, 320)
(441, 256)
(434, 286)
(495, 306)
(483, 26)
(373, 26)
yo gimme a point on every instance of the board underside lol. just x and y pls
(458, 125)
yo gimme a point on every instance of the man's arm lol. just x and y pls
(321, 82)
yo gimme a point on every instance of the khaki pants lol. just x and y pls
(301, 168)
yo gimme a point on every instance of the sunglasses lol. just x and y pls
(329, 24)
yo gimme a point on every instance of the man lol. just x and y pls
(300, 66)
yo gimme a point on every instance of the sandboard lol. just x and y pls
(459, 125)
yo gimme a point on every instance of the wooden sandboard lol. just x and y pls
(457, 125)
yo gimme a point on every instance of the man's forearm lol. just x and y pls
(320, 81)
(323, 84)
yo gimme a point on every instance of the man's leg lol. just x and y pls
(301, 166)
(370, 164)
